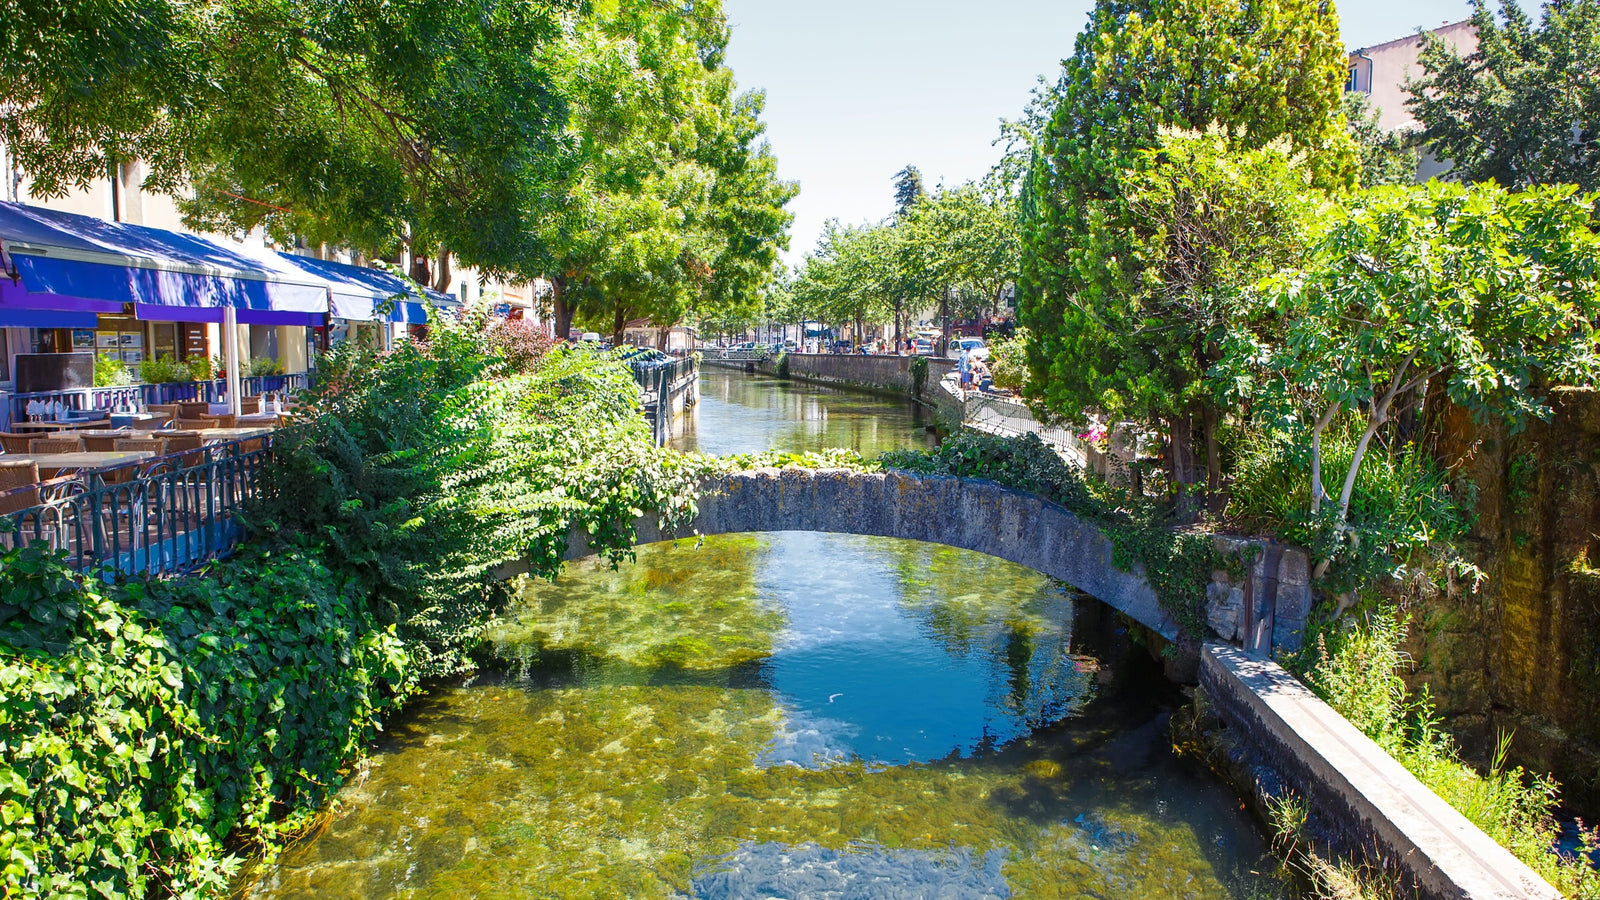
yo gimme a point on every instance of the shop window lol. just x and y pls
(166, 340)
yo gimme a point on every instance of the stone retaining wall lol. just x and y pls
(1283, 741)
(884, 374)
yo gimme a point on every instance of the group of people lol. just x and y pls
(973, 371)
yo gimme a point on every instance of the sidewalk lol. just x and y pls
(1010, 417)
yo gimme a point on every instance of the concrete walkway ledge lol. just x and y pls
(1365, 800)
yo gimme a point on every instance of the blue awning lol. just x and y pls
(87, 259)
(46, 318)
(356, 292)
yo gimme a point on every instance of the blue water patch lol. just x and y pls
(765, 871)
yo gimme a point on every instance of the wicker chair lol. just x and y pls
(186, 424)
(249, 406)
(224, 421)
(170, 410)
(15, 443)
(193, 409)
(72, 444)
(101, 441)
(156, 445)
(188, 443)
(19, 485)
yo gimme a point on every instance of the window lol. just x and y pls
(5, 357)
(1354, 84)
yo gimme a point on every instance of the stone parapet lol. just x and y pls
(1360, 801)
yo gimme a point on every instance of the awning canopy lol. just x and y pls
(87, 259)
(356, 292)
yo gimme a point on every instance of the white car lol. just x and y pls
(972, 345)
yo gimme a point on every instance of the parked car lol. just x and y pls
(923, 347)
(972, 345)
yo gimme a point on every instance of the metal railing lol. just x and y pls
(1009, 417)
(110, 398)
(661, 385)
(728, 354)
(163, 516)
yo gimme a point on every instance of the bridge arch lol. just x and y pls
(972, 515)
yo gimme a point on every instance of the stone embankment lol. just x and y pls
(879, 374)
(1282, 741)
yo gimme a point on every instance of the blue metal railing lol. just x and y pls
(163, 516)
(110, 398)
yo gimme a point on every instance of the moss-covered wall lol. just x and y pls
(1523, 654)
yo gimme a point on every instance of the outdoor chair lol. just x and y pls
(170, 410)
(19, 487)
(188, 443)
(226, 420)
(72, 444)
(249, 406)
(156, 445)
(193, 409)
(15, 443)
(101, 441)
(187, 424)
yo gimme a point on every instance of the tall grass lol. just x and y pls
(1405, 511)
(1357, 668)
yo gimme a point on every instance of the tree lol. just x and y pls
(1387, 157)
(1522, 109)
(1108, 334)
(434, 124)
(90, 84)
(908, 189)
(1486, 295)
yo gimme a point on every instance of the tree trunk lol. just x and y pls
(1181, 465)
(559, 308)
(419, 269)
(442, 274)
(619, 325)
(1209, 424)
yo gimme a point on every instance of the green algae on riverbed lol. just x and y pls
(629, 753)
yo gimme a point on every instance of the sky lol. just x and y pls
(858, 89)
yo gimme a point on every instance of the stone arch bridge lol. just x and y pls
(1263, 609)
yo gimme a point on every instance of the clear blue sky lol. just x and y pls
(856, 89)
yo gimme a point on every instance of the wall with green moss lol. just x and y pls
(1523, 653)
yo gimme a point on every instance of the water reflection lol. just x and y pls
(750, 413)
(785, 715)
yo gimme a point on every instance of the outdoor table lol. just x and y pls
(257, 419)
(70, 425)
(224, 435)
(126, 420)
(52, 464)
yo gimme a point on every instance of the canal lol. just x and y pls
(791, 716)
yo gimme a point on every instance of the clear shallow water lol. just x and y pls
(796, 716)
(741, 413)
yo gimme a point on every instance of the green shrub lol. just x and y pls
(1405, 511)
(1357, 667)
(199, 368)
(1008, 361)
(162, 370)
(782, 366)
(264, 367)
(144, 726)
(109, 371)
(1177, 564)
